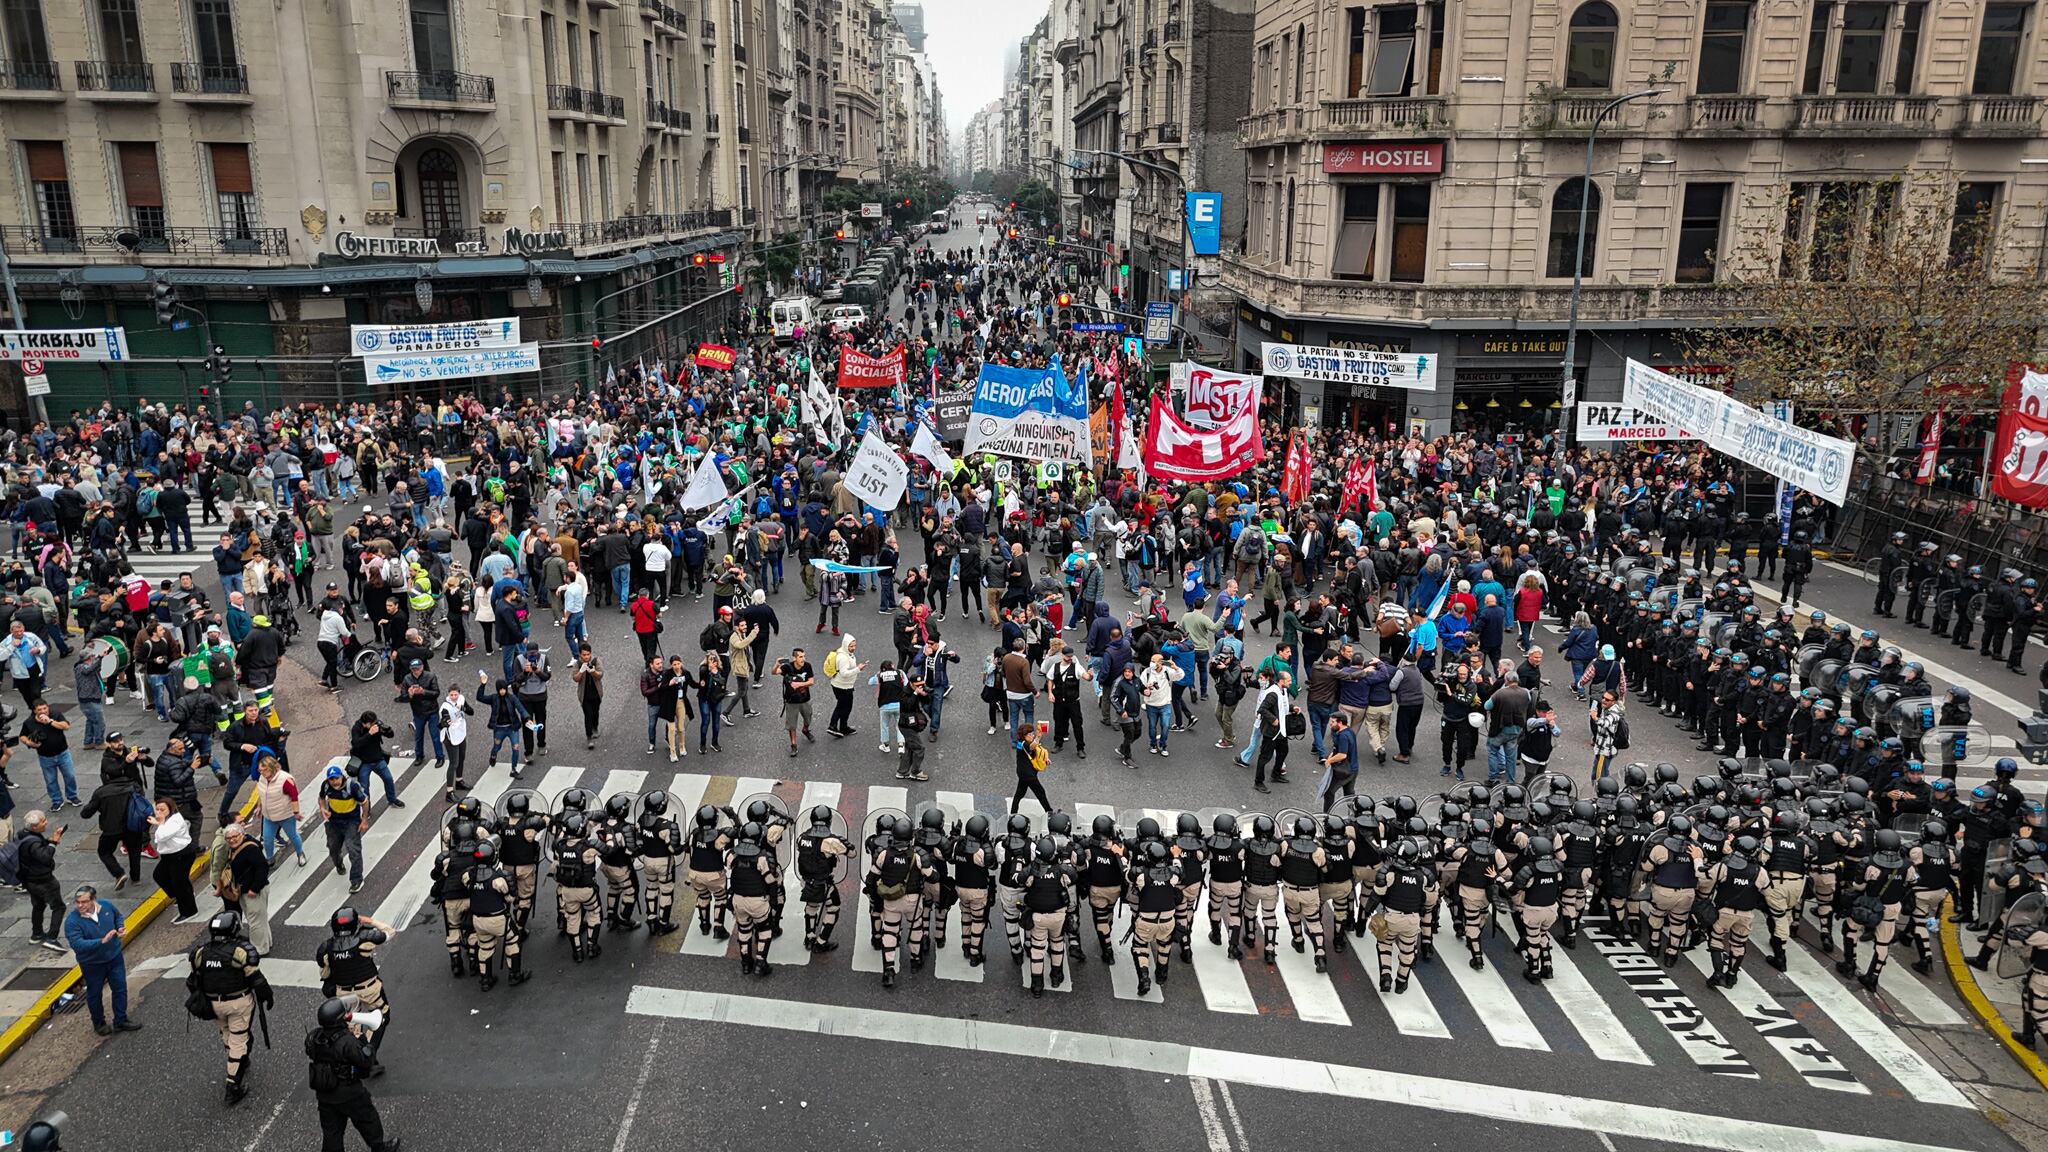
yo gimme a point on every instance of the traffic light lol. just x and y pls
(1065, 299)
(1013, 205)
(596, 343)
(1013, 233)
(698, 259)
(1124, 270)
(165, 298)
(839, 234)
(219, 368)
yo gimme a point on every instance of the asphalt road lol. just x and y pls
(657, 1043)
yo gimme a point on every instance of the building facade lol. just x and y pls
(1416, 173)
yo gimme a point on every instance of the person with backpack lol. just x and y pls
(119, 803)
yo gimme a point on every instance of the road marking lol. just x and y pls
(866, 957)
(413, 887)
(622, 780)
(1411, 1011)
(1312, 1077)
(1678, 1014)
(685, 796)
(1906, 990)
(377, 843)
(264, 1130)
(1315, 997)
(1595, 1021)
(1222, 979)
(1807, 1056)
(1205, 1107)
(1899, 1061)
(558, 780)
(816, 792)
(949, 963)
(1503, 1015)
(1123, 976)
(1236, 1121)
(1980, 690)
(639, 1088)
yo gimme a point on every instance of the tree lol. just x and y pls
(983, 180)
(1035, 199)
(780, 260)
(1877, 300)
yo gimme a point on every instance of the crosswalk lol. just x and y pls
(1608, 1001)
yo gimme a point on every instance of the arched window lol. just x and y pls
(440, 181)
(1564, 227)
(1589, 49)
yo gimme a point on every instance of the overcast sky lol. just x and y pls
(971, 44)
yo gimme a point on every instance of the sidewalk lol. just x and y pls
(34, 980)
(1995, 1001)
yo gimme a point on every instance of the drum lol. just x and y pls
(113, 654)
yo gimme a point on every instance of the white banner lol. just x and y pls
(820, 411)
(420, 339)
(1609, 423)
(451, 365)
(934, 450)
(1211, 397)
(707, 486)
(1031, 414)
(95, 344)
(1351, 366)
(877, 475)
(1801, 457)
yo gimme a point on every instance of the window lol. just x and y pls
(1998, 50)
(21, 32)
(1287, 237)
(1722, 38)
(142, 188)
(739, 25)
(1589, 48)
(433, 37)
(596, 61)
(575, 46)
(647, 67)
(1969, 237)
(1564, 228)
(583, 186)
(120, 34)
(1354, 53)
(1829, 226)
(547, 48)
(55, 218)
(1848, 46)
(213, 31)
(1286, 58)
(440, 193)
(604, 187)
(1699, 232)
(561, 205)
(1411, 232)
(1300, 58)
(1393, 52)
(234, 190)
(1357, 233)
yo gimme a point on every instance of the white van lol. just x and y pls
(848, 316)
(787, 316)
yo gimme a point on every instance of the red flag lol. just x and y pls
(1294, 480)
(859, 370)
(1930, 448)
(1372, 486)
(2019, 452)
(1354, 485)
(1177, 450)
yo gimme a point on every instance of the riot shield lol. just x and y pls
(2026, 914)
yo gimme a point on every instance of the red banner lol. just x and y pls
(1175, 450)
(716, 356)
(1930, 449)
(2020, 451)
(1294, 480)
(860, 370)
(1361, 486)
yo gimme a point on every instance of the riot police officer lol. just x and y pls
(1736, 884)
(1535, 891)
(1302, 864)
(618, 846)
(340, 1056)
(659, 840)
(1922, 569)
(1875, 911)
(1479, 863)
(225, 972)
(1891, 563)
(1102, 875)
(1226, 859)
(1016, 855)
(1798, 566)
(1402, 887)
(519, 830)
(348, 967)
(1932, 880)
(1156, 882)
(751, 873)
(490, 907)
(1048, 889)
(1673, 862)
(1787, 858)
(576, 862)
(1191, 852)
(896, 874)
(1261, 884)
(709, 839)
(459, 839)
(971, 859)
(818, 852)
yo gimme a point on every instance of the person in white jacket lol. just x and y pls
(1158, 680)
(455, 736)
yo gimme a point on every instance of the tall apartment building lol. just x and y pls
(1416, 172)
(1102, 58)
(859, 48)
(290, 169)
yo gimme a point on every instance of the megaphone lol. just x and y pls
(367, 1021)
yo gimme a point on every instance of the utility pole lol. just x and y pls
(1569, 392)
(1187, 272)
(36, 403)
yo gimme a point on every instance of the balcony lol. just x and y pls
(679, 119)
(1172, 33)
(1724, 115)
(803, 58)
(184, 243)
(657, 114)
(1384, 116)
(1067, 51)
(115, 79)
(1864, 115)
(1426, 304)
(739, 53)
(1151, 40)
(1166, 134)
(711, 123)
(452, 240)
(228, 83)
(625, 229)
(566, 98)
(1999, 116)
(708, 31)
(32, 80)
(803, 108)
(440, 89)
(1576, 115)
(746, 134)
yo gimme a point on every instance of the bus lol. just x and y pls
(939, 220)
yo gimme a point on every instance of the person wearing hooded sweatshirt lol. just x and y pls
(1115, 655)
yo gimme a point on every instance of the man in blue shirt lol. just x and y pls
(94, 930)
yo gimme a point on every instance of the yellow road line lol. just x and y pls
(1961, 976)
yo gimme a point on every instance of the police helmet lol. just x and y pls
(1046, 850)
(1187, 824)
(1224, 825)
(655, 803)
(977, 827)
(1934, 831)
(225, 925)
(486, 852)
(1155, 852)
(2006, 766)
(707, 816)
(1018, 824)
(1148, 828)
(1304, 826)
(1103, 825)
(1059, 823)
(1262, 828)
(759, 811)
(1679, 825)
(518, 804)
(575, 824)
(1407, 852)
(885, 825)
(1585, 811)
(469, 806)
(752, 832)
(619, 807)
(344, 920)
(332, 1013)
(821, 817)
(932, 820)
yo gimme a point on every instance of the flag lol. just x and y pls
(822, 413)
(1930, 448)
(1354, 485)
(1179, 451)
(1294, 481)
(707, 487)
(1372, 486)
(932, 449)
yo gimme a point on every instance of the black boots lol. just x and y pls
(1236, 949)
(1037, 985)
(1982, 960)
(1144, 977)
(1777, 958)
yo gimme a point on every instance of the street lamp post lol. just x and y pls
(42, 414)
(1186, 273)
(1571, 332)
